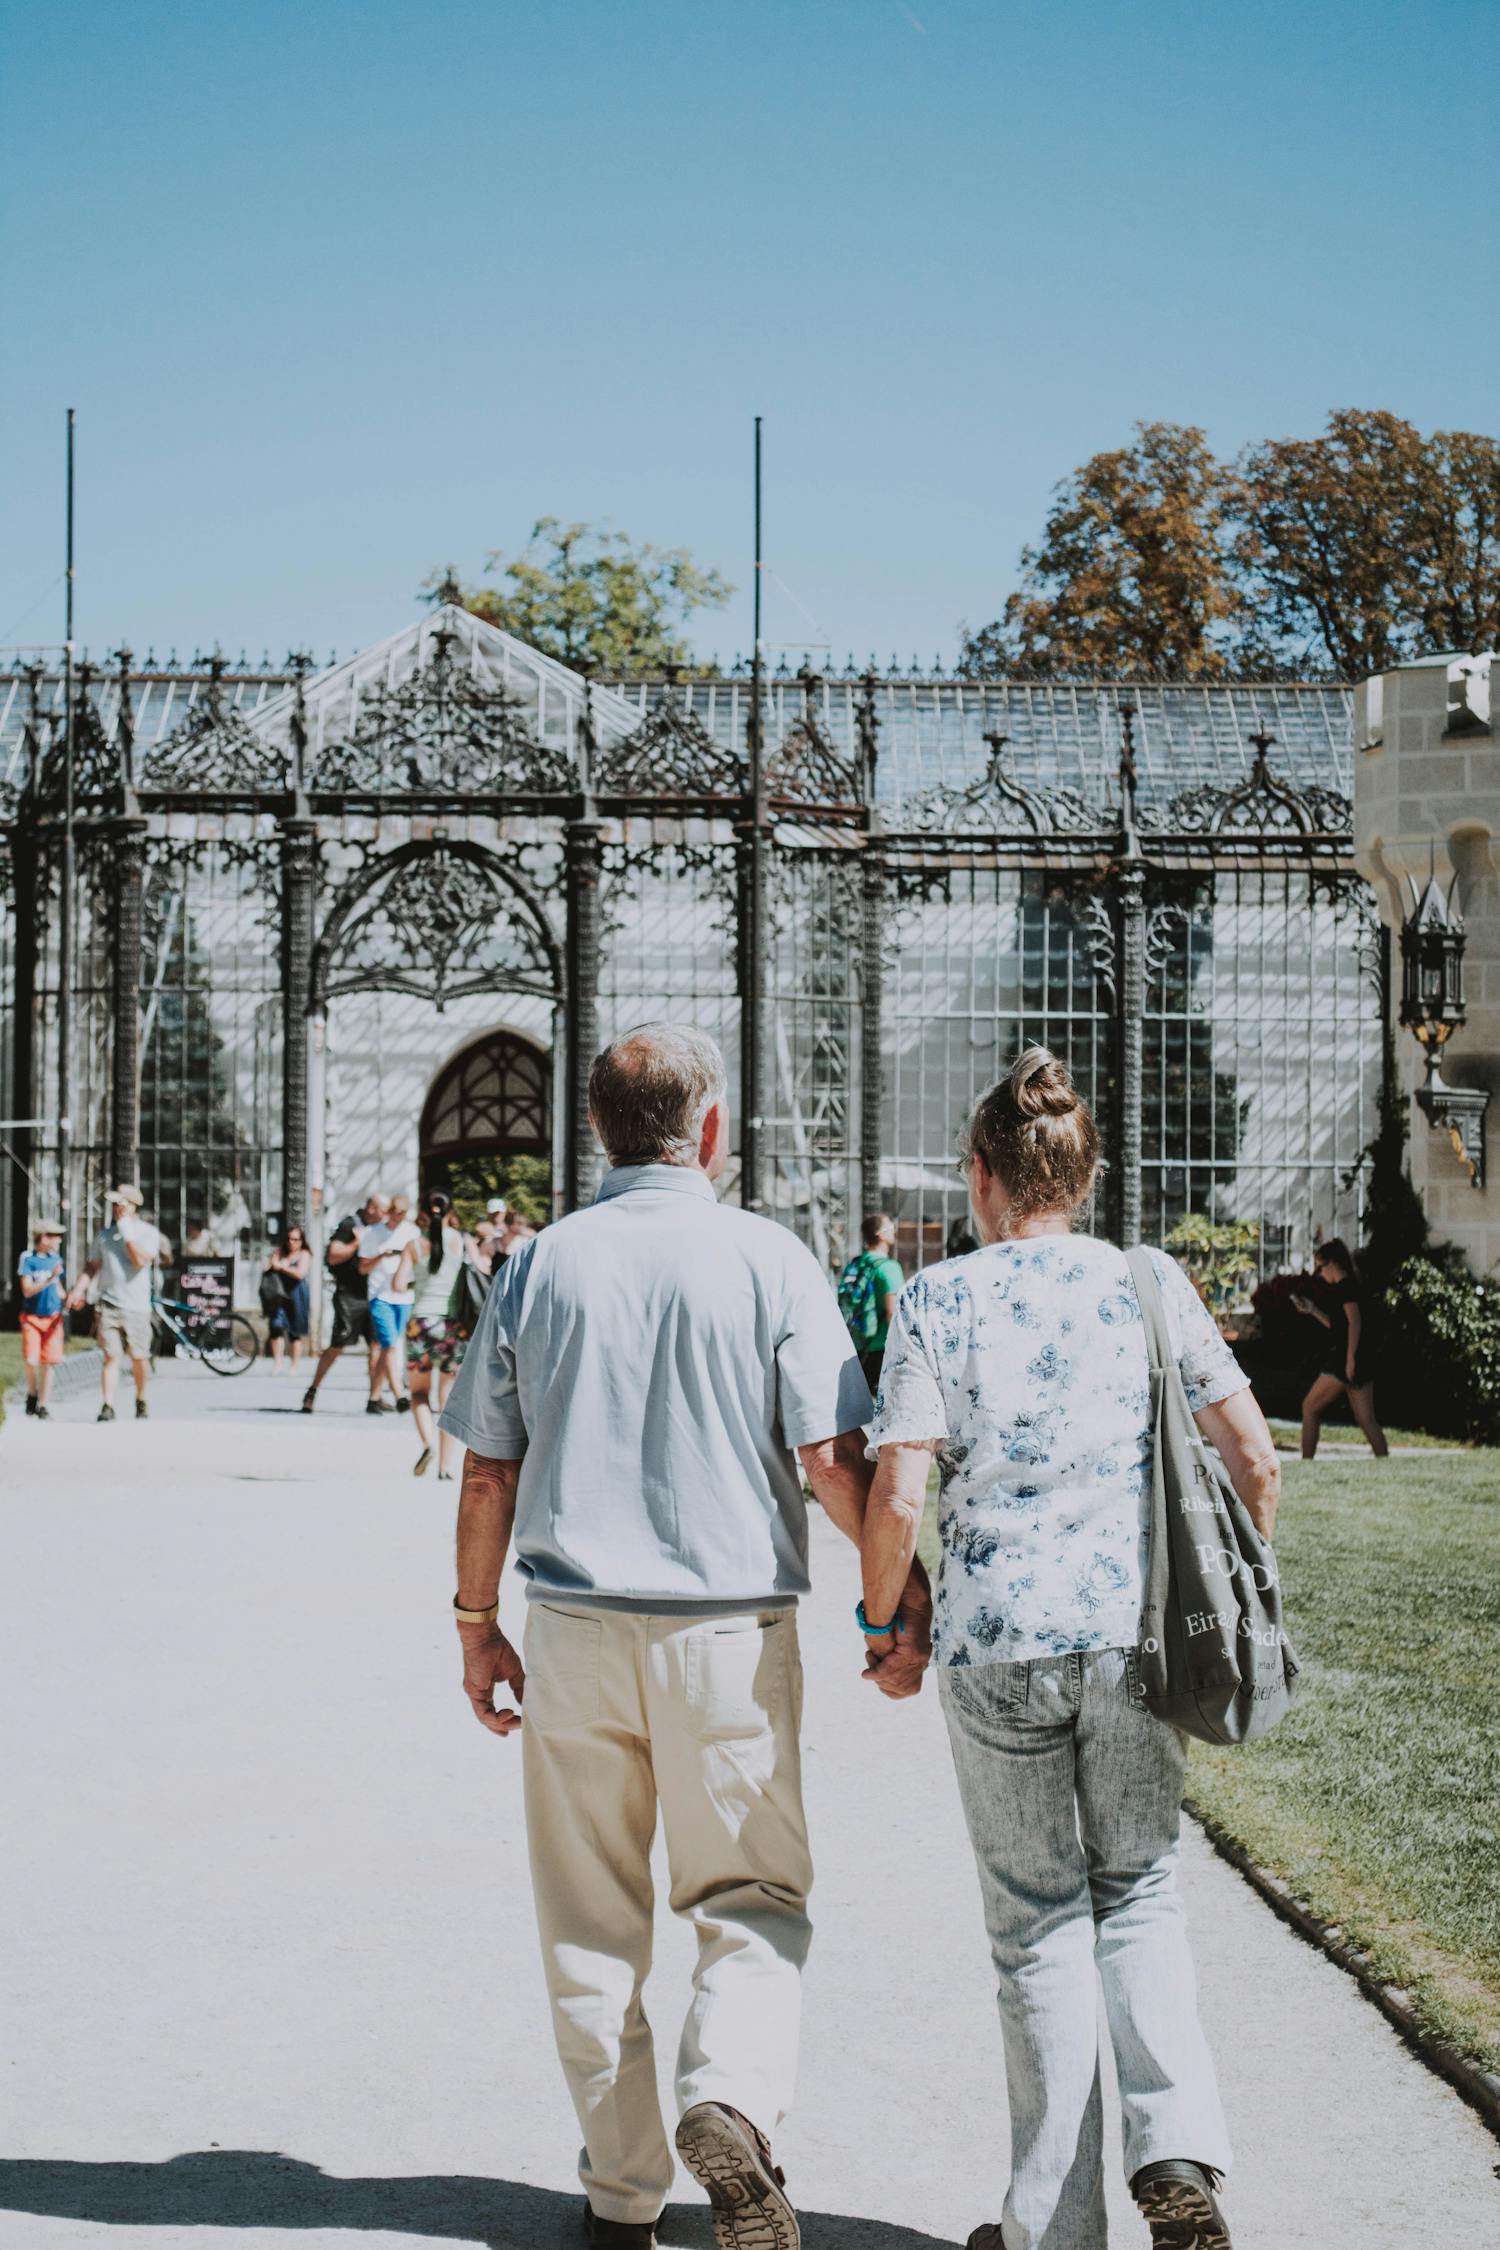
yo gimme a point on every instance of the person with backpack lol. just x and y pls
(351, 1292)
(868, 1288)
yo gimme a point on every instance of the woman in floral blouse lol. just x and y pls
(1023, 1367)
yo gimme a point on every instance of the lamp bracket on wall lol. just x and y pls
(1461, 1110)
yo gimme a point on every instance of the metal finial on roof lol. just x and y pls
(1129, 772)
(125, 724)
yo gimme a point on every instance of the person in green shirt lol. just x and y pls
(868, 1288)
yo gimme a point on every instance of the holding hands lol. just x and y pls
(897, 1660)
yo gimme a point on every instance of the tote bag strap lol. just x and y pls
(1156, 1593)
(1153, 1311)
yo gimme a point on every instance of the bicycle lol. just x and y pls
(226, 1342)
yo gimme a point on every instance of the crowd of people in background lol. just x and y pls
(407, 1291)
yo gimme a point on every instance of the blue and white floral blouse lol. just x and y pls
(1027, 1359)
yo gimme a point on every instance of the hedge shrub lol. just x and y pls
(1440, 1350)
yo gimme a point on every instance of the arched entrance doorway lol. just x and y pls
(487, 1125)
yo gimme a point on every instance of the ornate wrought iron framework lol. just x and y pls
(451, 815)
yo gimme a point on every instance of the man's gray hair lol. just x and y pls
(651, 1090)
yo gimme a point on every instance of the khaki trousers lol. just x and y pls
(701, 1716)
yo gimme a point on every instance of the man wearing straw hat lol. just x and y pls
(124, 1252)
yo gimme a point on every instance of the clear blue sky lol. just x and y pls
(343, 290)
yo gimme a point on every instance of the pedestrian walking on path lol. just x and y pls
(1024, 1367)
(124, 1252)
(642, 1377)
(435, 1333)
(867, 1292)
(387, 1254)
(42, 1282)
(351, 1293)
(1345, 1369)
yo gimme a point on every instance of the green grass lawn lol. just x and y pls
(1378, 1799)
(1345, 1434)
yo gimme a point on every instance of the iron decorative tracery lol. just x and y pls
(440, 921)
(670, 754)
(999, 804)
(214, 750)
(1263, 804)
(441, 732)
(807, 768)
(97, 772)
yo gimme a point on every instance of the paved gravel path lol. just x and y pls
(269, 1974)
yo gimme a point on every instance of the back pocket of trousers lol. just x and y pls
(737, 1677)
(562, 1668)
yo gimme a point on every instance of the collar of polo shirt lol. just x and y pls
(685, 1178)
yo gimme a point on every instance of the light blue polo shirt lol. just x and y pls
(653, 1362)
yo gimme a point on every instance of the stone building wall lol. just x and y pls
(1427, 795)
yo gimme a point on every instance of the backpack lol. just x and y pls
(857, 1301)
(346, 1277)
(466, 1301)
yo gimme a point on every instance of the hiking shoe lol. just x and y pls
(140, 1410)
(618, 2234)
(1179, 2202)
(732, 2160)
(419, 1469)
(105, 1414)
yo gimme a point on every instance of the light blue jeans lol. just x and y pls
(1073, 1795)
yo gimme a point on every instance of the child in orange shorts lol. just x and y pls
(40, 1274)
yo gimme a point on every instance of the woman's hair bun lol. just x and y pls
(1041, 1086)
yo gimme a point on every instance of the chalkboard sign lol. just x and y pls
(207, 1284)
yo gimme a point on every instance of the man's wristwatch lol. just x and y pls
(475, 1616)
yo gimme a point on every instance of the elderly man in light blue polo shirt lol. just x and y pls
(645, 1378)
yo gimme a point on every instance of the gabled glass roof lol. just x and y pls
(931, 732)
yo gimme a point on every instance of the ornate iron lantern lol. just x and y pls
(1432, 1007)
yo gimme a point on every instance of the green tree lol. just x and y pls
(1346, 552)
(1396, 1226)
(593, 599)
(1134, 570)
(1326, 532)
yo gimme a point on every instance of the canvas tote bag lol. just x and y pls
(1214, 1656)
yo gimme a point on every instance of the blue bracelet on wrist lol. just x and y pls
(875, 1632)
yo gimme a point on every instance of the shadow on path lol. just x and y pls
(250, 2188)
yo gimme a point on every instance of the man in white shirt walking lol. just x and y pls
(124, 1252)
(386, 1253)
(644, 1380)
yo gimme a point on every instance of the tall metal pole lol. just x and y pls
(65, 933)
(1131, 987)
(754, 931)
(872, 965)
(582, 862)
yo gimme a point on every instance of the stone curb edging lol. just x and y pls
(1480, 2088)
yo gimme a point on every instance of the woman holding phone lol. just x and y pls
(1345, 1366)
